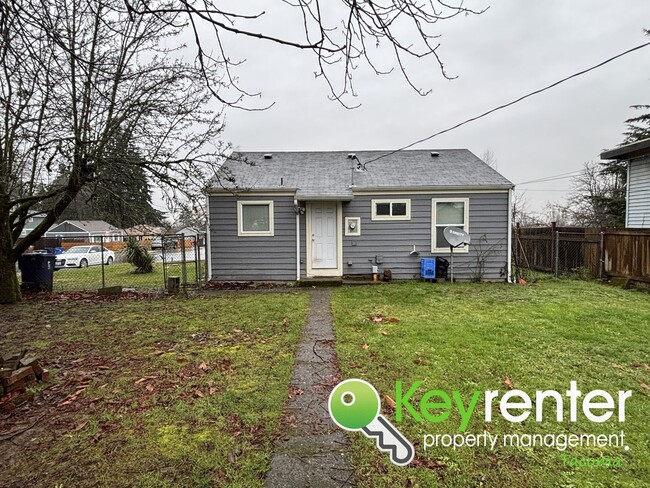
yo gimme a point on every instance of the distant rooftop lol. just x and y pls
(628, 151)
(91, 225)
(329, 174)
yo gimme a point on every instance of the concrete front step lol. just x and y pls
(321, 282)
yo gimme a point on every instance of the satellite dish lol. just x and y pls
(456, 236)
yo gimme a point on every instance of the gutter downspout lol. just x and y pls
(295, 205)
(510, 235)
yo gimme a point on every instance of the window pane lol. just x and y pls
(383, 209)
(450, 213)
(440, 238)
(255, 218)
(399, 208)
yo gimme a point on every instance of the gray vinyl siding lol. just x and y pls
(235, 258)
(638, 200)
(394, 240)
(274, 258)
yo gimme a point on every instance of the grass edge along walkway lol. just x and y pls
(313, 452)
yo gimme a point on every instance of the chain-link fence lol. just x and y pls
(583, 252)
(138, 262)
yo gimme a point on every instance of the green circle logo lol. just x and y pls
(353, 404)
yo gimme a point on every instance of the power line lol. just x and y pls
(505, 105)
(561, 176)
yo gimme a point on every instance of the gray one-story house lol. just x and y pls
(637, 155)
(297, 215)
(89, 230)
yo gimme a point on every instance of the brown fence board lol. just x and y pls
(625, 252)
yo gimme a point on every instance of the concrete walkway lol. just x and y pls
(313, 452)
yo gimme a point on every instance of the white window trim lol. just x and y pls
(407, 201)
(240, 221)
(357, 231)
(439, 250)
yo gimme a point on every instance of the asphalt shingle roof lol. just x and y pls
(92, 225)
(329, 174)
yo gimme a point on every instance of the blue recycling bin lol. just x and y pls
(37, 271)
(428, 268)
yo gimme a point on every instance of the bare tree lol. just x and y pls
(521, 213)
(340, 34)
(73, 75)
(597, 198)
(490, 159)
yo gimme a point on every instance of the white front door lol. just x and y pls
(324, 240)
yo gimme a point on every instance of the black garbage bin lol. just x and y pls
(442, 266)
(37, 271)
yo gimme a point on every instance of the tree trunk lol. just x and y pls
(9, 289)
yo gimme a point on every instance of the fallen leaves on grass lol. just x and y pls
(508, 382)
(73, 396)
(380, 319)
(428, 463)
(390, 402)
(420, 362)
(365, 346)
(144, 378)
(87, 297)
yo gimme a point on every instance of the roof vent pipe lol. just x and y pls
(352, 156)
(434, 154)
(268, 156)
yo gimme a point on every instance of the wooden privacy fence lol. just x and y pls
(594, 252)
(627, 253)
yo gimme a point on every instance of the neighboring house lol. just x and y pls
(313, 214)
(88, 230)
(637, 156)
(30, 224)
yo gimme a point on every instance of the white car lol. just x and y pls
(83, 256)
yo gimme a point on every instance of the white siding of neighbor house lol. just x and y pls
(274, 258)
(638, 194)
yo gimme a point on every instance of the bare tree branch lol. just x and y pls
(338, 40)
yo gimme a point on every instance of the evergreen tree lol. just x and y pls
(120, 194)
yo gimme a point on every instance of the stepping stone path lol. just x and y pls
(313, 451)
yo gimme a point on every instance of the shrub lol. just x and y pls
(139, 257)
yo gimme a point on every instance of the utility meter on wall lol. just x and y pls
(352, 226)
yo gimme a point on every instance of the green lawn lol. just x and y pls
(478, 337)
(182, 393)
(120, 274)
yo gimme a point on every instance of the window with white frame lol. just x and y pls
(255, 218)
(391, 209)
(447, 212)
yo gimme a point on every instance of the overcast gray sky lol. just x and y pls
(513, 48)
